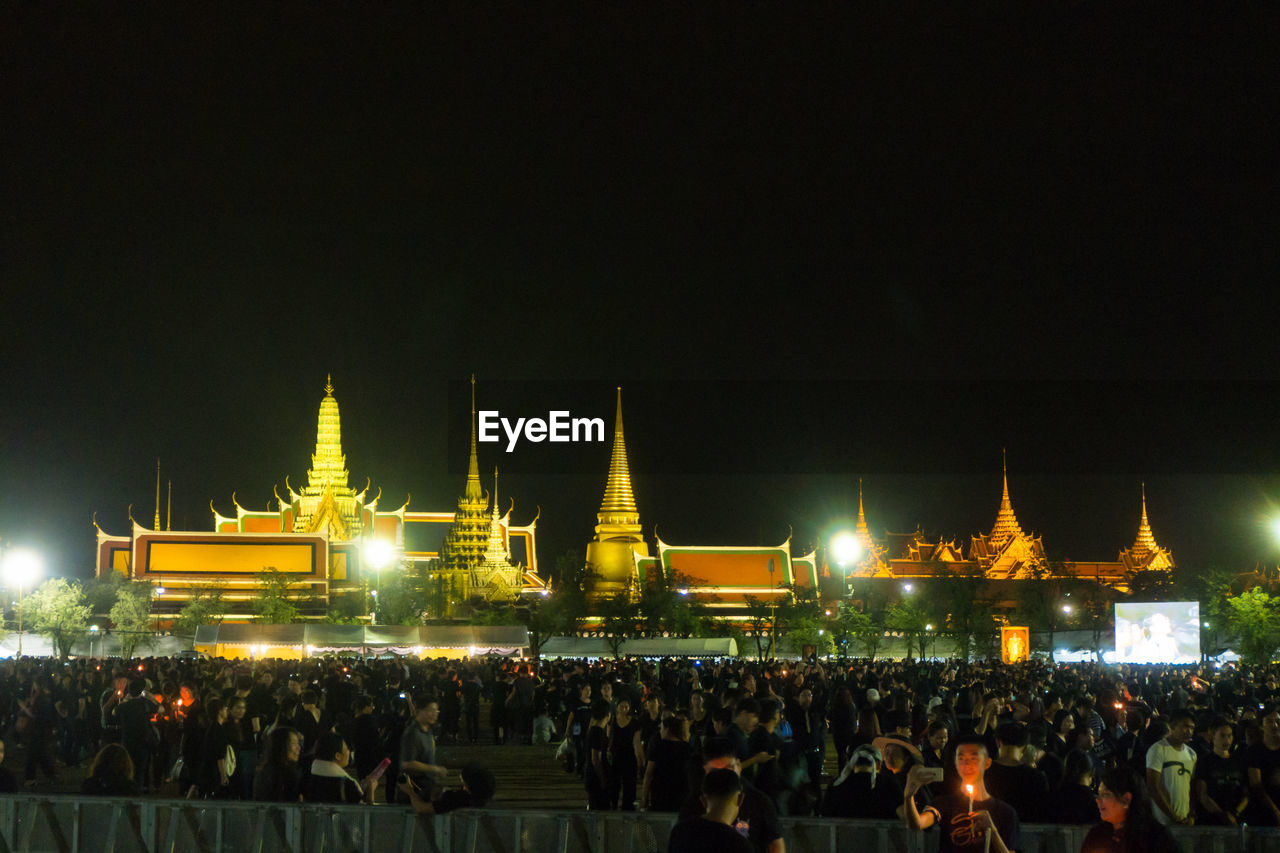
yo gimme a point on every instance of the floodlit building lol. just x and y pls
(329, 539)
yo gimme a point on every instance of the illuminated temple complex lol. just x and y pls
(318, 537)
(1005, 554)
(726, 578)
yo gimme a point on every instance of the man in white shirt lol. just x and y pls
(1170, 763)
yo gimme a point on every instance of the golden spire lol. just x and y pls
(168, 520)
(472, 492)
(1006, 526)
(156, 526)
(328, 465)
(496, 552)
(1145, 545)
(618, 499)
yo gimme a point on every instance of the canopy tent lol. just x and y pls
(297, 641)
(653, 647)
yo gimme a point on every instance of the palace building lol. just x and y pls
(319, 537)
(1004, 554)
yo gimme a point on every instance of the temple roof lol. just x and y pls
(328, 465)
(1146, 553)
(1006, 526)
(473, 492)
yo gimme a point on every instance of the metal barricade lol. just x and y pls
(64, 824)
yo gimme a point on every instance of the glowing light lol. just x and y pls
(378, 553)
(22, 566)
(1066, 608)
(928, 627)
(159, 590)
(906, 587)
(845, 548)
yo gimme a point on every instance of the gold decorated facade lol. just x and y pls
(318, 538)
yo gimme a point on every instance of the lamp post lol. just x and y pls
(378, 554)
(21, 567)
(93, 635)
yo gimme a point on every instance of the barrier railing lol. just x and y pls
(64, 824)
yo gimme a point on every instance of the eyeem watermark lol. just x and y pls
(558, 427)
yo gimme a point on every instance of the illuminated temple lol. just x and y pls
(1006, 553)
(318, 537)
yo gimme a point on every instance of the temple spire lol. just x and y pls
(1145, 545)
(472, 491)
(496, 552)
(618, 498)
(156, 526)
(1006, 526)
(168, 521)
(328, 464)
(863, 532)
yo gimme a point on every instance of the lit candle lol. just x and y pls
(969, 790)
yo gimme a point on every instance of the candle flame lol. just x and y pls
(968, 789)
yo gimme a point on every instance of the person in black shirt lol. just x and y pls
(863, 790)
(1220, 786)
(716, 829)
(1024, 788)
(1263, 762)
(111, 774)
(596, 777)
(1074, 801)
(8, 782)
(969, 815)
(329, 780)
(1128, 825)
(757, 817)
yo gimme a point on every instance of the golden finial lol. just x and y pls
(168, 519)
(473, 490)
(328, 383)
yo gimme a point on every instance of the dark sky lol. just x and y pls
(814, 244)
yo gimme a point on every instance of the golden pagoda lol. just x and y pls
(1007, 552)
(1146, 555)
(327, 504)
(495, 577)
(611, 556)
(872, 563)
(464, 545)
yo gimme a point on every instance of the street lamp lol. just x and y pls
(159, 592)
(907, 588)
(845, 549)
(378, 554)
(21, 568)
(1066, 608)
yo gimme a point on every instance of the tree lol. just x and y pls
(101, 593)
(205, 607)
(759, 618)
(809, 632)
(956, 601)
(131, 617)
(57, 610)
(618, 617)
(910, 620)
(1150, 585)
(273, 602)
(1255, 618)
(1041, 597)
(665, 607)
(1096, 604)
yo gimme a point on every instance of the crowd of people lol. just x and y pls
(976, 748)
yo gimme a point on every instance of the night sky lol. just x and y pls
(813, 244)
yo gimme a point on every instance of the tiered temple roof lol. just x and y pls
(1146, 555)
(612, 555)
(1007, 552)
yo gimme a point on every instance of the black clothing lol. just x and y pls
(457, 799)
(273, 784)
(1227, 782)
(209, 780)
(1267, 763)
(757, 815)
(329, 789)
(1154, 837)
(365, 743)
(1074, 803)
(669, 788)
(102, 786)
(1023, 788)
(700, 835)
(597, 788)
(855, 798)
(959, 834)
(8, 782)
